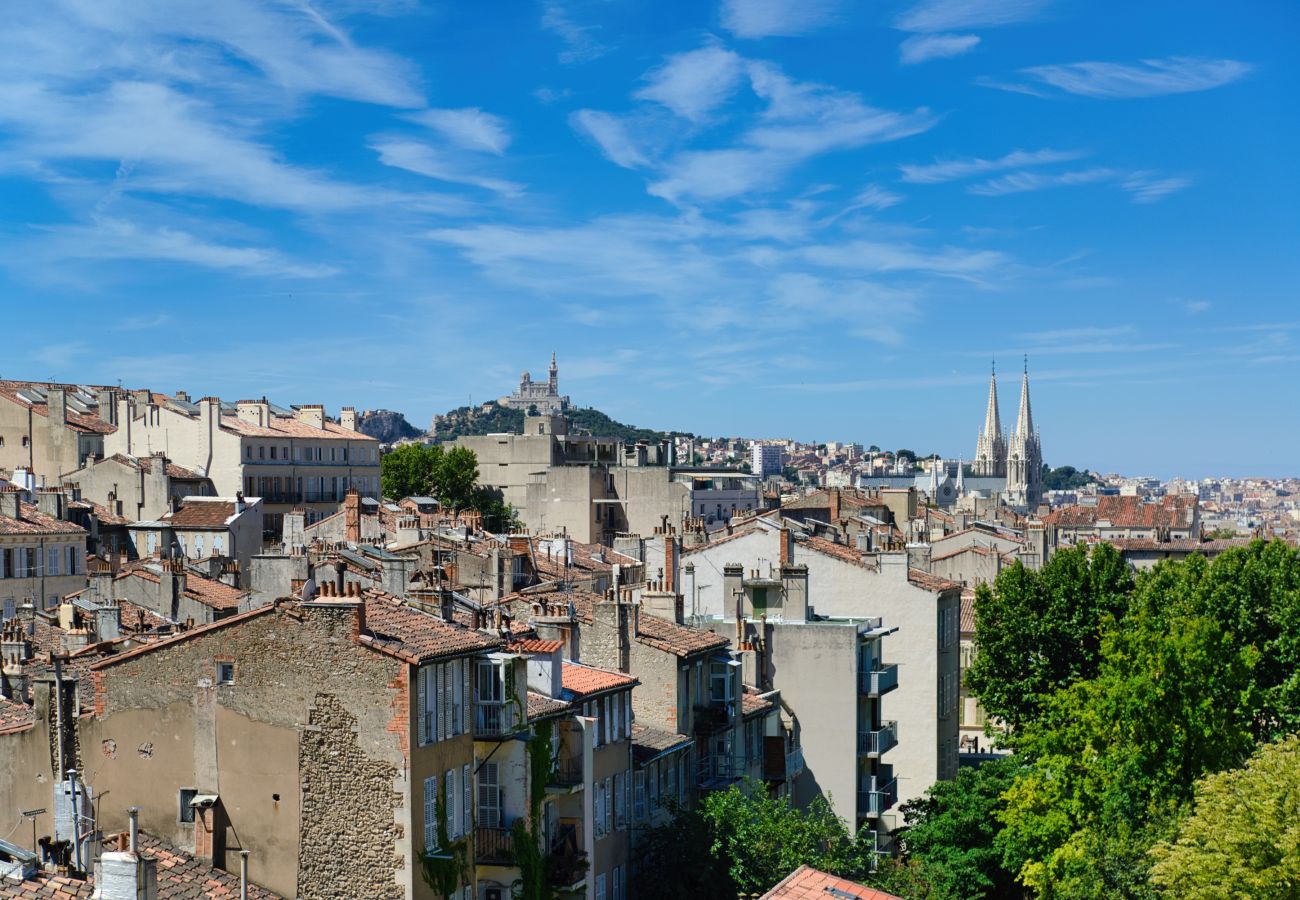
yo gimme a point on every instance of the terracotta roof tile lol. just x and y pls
(583, 681)
(200, 513)
(680, 640)
(208, 591)
(752, 703)
(285, 427)
(807, 883)
(15, 716)
(536, 645)
(540, 706)
(931, 582)
(34, 521)
(417, 636)
(839, 551)
(967, 610)
(649, 742)
(1174, 511)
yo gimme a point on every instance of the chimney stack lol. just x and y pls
(352, 516)
(11, 503)
(348, 418)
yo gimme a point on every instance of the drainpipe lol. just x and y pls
(243, 875)
(76, 824)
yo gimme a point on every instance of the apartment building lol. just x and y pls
(848, 593)
(42, 555)
(138, 489)
(288, 457)
(324, 737)
(50, 428)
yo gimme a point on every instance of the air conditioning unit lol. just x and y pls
(492, 893)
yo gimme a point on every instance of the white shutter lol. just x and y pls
(421, 707)
(467, 801)
(450, 801)
(609, 807)
(441, 690)
(468, 695)
(489, 796)
(431, 813)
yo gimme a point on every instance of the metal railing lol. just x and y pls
(493, 720)
(567, 771)
(794, 764)
(494, 845)
(878, 681)
(874, 743)
(717, 772)
(873, 801)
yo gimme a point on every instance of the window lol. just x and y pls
(720, 682)
(489, 796)
(198, 546)
(620, 801)
(431, 813)
(248, 452)
(74, 566)
(5, 564)
(618, 883)
(609, 807)
(216, 545)
(51, 560)
(225, 673)
(273, 451)
(597, 809)
(261, 452)
(638, 797)
(186, 812)
(600, 886)
(467, 800)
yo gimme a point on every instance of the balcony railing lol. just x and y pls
(566, 864)
(878, 681)
(718, 772)
(493, 720)
(494, 846)
(874, 800)
(874, 743)
(567, 771)
(794, 763)
(713, 717)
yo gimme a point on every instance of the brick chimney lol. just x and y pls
(352, 516)
(833, 499)
(787, 547)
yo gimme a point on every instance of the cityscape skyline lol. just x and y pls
(744, 218)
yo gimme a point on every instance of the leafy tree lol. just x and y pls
(950, 831)
(454, 477)
(742, 841)
(1065, 478)
(409, 471)
(1040, 631)
(1242, 841)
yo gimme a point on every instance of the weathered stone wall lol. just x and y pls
(348, 843)
(296, 671)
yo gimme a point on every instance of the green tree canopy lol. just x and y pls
(449, 476)
(1242, 841)
(1040, 631)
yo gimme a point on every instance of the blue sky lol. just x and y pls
(815, 219)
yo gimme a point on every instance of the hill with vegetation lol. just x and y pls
(492, 418)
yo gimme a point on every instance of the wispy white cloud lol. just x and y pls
(776, 18)
(142, 322)
(422, 159)
(1020, 182)
(1150, 187)
(952, 15)
(470, 128)
(1112, 80)
(1195, 307)
(694, 83)
(955, 169)
(115, 239)
(580, 39)
(612, 135)
(925, 47)
(873, 196)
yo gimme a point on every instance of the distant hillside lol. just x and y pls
(490, 418)
(386, 425)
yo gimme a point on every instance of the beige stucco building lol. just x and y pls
(289, 458)
(42, 556)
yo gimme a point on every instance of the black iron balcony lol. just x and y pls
(493, 720)
(567, 772)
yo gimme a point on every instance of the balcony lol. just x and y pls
(566, 864)
(494, 846)
(714, 717)
(717, 773)
(874, 743)
(567, 773)
(876, 799)
(878, 681)
(794, 763)
(493, 721)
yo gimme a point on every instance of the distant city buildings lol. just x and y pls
(766, 459)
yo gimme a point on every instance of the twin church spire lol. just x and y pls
(1016, 457)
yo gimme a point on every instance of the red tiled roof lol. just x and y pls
(200, 513)
(536, 645)
(34, 521)
(15, 716)
(1180, 545)
(1174, 511)
(540, 706)
(967, 610)
(180, 877)
(285, 427)
(417, 636)
(583, 681)
(807, 883)
(680, 640)
(648, 742)
(208, 591)
(931, 582)
(752, 703)
(839, 551)
(105, 515)
(145, 463)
